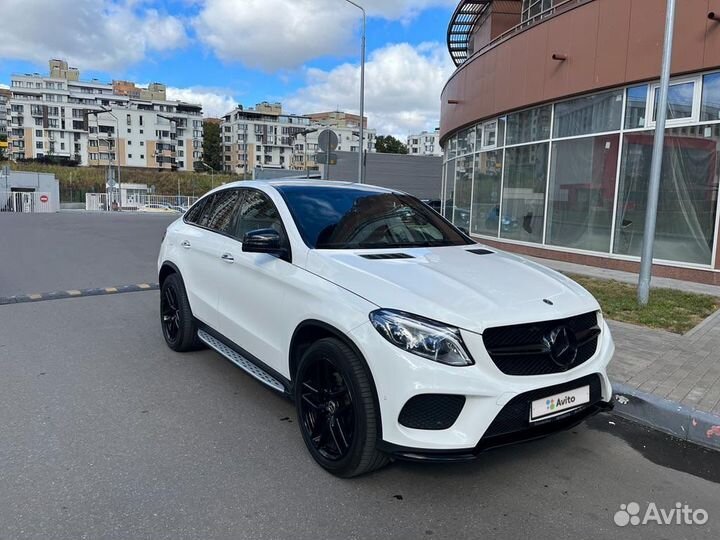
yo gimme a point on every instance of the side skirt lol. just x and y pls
(244, 360)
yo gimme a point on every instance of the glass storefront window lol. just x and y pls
(523, 199)
(463, 190)
(489, 130)
(449, 195)
(635, 109)
(466, 141)
(688, 194)
(452, 146)
(528, 126)
(710, 107)
(597, 113)
(680, 101)
(486, 193)
(582, 192)
(482, 196)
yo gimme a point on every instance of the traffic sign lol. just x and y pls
(327, 140)
(44, 198)
(321, 158)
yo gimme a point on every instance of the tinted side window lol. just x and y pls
(194, 213)
(224, 211)
(258, 212)
(204, 216)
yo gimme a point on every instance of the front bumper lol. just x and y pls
(399, 376)
(555, 425)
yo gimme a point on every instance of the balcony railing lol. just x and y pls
(463, 21)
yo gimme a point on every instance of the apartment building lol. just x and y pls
(4, 98)
(99, 124)
(262, 136)
(426, 143)
(266, 137)
(346, 126)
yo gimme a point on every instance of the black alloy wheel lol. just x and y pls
(326, 410)
(178, 324)
(337, 410)
(171, 315)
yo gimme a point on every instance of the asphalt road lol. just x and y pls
(74, 250)
(106, 433)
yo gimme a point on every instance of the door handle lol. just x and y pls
(185, 244)
(227, 257)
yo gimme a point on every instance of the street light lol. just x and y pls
(362, 92)
(212, 173)
(643, 292)
(112, 146)
(117, 148)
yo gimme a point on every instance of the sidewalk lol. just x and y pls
(668, 381)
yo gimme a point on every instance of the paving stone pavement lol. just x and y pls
(680, 368)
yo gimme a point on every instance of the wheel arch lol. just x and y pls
(311, 330)
(167, 268)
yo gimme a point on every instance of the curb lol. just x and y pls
(670, 417)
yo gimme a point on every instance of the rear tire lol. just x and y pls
(337, 414)
(176, 318)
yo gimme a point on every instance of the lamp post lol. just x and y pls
(110, 143)
(212, 173)
(117, 148)
(362, 94)
(643, 292)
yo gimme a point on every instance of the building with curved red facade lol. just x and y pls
(547, 127)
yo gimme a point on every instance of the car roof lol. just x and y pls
(310, 184)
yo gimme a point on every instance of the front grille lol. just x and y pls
(431, 411)
(521, 350)
(515, 416)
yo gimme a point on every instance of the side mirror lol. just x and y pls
(263, 241)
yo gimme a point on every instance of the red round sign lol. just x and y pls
(43, 198)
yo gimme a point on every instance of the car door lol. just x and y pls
(251, 302)
(202, 248)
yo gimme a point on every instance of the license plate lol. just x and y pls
(558, 403)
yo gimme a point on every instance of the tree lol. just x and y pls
(387, 144)
(212, 146)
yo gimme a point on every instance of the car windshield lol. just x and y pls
(348, 218)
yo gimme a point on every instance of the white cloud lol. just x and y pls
(90, 34)
(402, 88)
(283, 34)
(215, 102)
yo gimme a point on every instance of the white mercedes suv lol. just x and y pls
(394, 333)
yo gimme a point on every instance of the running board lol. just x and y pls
(241, 361)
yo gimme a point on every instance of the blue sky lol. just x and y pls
(304, 53)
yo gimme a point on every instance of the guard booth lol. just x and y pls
(28, 192)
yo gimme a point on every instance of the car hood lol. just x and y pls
(456, 286)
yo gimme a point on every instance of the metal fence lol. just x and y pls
(181, 201)
(97, 202)
(27, 202)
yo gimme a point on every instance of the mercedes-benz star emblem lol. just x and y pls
(562, 345)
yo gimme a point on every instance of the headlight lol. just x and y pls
(426, 338)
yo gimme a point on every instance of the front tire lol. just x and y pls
(336, 409)
(178, 324)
